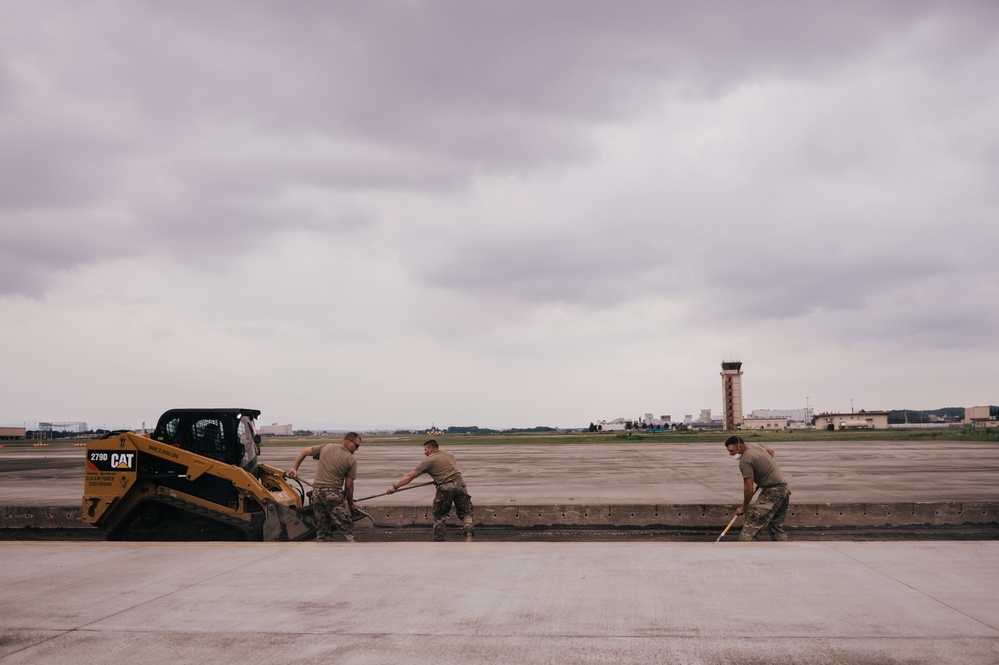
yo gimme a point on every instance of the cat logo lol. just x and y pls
(99, 461)
(122, 461)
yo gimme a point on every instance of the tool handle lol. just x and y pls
(299, 479)
(401, 489)
(734, 518)
(727, 528)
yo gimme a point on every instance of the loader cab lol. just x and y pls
(226, 435)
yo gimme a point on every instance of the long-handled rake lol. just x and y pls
(734, 518)
(401, 489)
(727, 528)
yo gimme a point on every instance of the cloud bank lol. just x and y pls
(505, 215)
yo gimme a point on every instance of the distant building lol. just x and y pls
(858, 420)
(705, 416)
(979, 416)
(764, 423)
(12, 433)
(794, 415)
(661, 421)
(616, 425)
(731, 394)
(275, 430)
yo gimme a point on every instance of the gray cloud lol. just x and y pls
(840, 144)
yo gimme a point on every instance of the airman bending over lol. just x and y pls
(333, 489)
(443, 468)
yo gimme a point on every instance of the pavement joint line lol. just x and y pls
(35, 644)
(518, 635)
(546, 636)
(909, 586)
(185, 587)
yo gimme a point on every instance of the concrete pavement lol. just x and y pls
(621, 473)
(447, 603)
(527, 602)
(649, 485)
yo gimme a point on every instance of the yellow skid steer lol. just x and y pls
(196, 477)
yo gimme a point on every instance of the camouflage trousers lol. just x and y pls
(453, 492)
(331, 512)
(765, 518)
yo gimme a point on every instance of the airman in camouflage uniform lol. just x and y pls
(451, 489)
(331, 511)
(766, 516)
(333, 489)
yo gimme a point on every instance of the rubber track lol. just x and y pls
(189, 508)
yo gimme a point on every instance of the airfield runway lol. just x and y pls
(460, 604)
(672, 473)
(569, 491)
(528, 602)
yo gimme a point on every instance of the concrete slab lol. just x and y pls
(500, 602)
(649, 473)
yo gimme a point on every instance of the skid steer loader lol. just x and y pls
(197, 477)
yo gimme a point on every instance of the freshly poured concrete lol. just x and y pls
(500, 603)
(515, 602)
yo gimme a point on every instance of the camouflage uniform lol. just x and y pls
(451, 489)
(766, 516)
(448, 492)
(330, 509)
(329, 506)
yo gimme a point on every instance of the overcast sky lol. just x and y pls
(503, 214)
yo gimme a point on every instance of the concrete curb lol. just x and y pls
(700, 515)
(614, 515)
(41, 517)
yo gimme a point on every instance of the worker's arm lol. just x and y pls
(748, 490)
(302, 454)
(408, 478)
(348, 492)
(770, 451)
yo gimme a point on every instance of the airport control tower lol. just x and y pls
(732, 393)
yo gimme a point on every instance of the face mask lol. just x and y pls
(737, 456)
